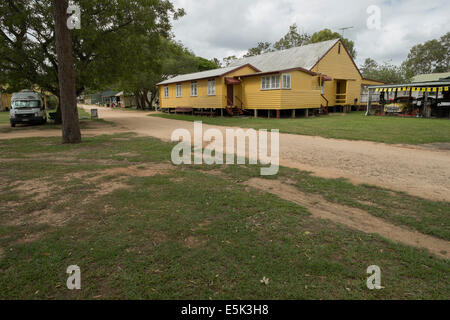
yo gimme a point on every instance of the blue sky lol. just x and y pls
(220, 28)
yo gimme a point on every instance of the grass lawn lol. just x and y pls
(4, 117)
(140, 228)
(353, 126)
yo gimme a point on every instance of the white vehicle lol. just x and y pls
(27, 107)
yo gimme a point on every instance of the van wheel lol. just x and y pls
(13, 125)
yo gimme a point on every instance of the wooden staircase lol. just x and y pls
(234, 111)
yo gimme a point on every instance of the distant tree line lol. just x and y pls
(430, 57)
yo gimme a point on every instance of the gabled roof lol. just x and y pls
(207, 74)
(305, 57)
(302, 58)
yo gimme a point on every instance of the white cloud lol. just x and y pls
(219, 28)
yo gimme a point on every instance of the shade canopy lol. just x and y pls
(232, 81)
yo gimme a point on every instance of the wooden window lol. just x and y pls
(194, 89)
(166, 92)
(286, 81)
(179, 91)
(270, 82)
(212, 87)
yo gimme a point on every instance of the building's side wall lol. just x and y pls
(339, 66)
(302, 95)
(241, 72)
(5, 101)
(255, 98)
(186, 101)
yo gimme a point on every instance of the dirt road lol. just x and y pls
(416, 170)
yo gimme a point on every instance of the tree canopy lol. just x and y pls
(157, 63)
(430, 57)
(382, 72)
(294, 38)
(327, 34)
(112, 37)
(261, 47)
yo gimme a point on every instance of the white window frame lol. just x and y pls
(179, 90)
(271, 82)
(166, 92)
(194, 89)
(212, 87)
(287, 81)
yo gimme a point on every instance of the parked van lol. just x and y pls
(27, 107)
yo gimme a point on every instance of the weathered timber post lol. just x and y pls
(369, 104)
(256, 113)
(293, 114)
(425, 105)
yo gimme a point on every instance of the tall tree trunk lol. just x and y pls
(154, 95)
(142, 101)
(148, 101)
(58, 117)
(138, 100)
(68, 100)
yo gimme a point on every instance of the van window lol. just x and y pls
(26, 104)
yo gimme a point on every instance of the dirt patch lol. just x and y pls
(128, 154)
(47, 216)
(177, 180)
(103, 189)
(158, 238)
(371, 204)
(192, 242)
(36, 189)
(352, 217)
(140, 170)
(39, 190)
(29, 238)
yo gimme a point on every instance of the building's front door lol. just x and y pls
(230, 95)
(341, 91)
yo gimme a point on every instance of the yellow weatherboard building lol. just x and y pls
(5, 101)
(308, 77)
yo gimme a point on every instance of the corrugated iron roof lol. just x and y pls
(443, 83)
(431, 77)
(201, 75)
(109, 93)
(305, 57)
